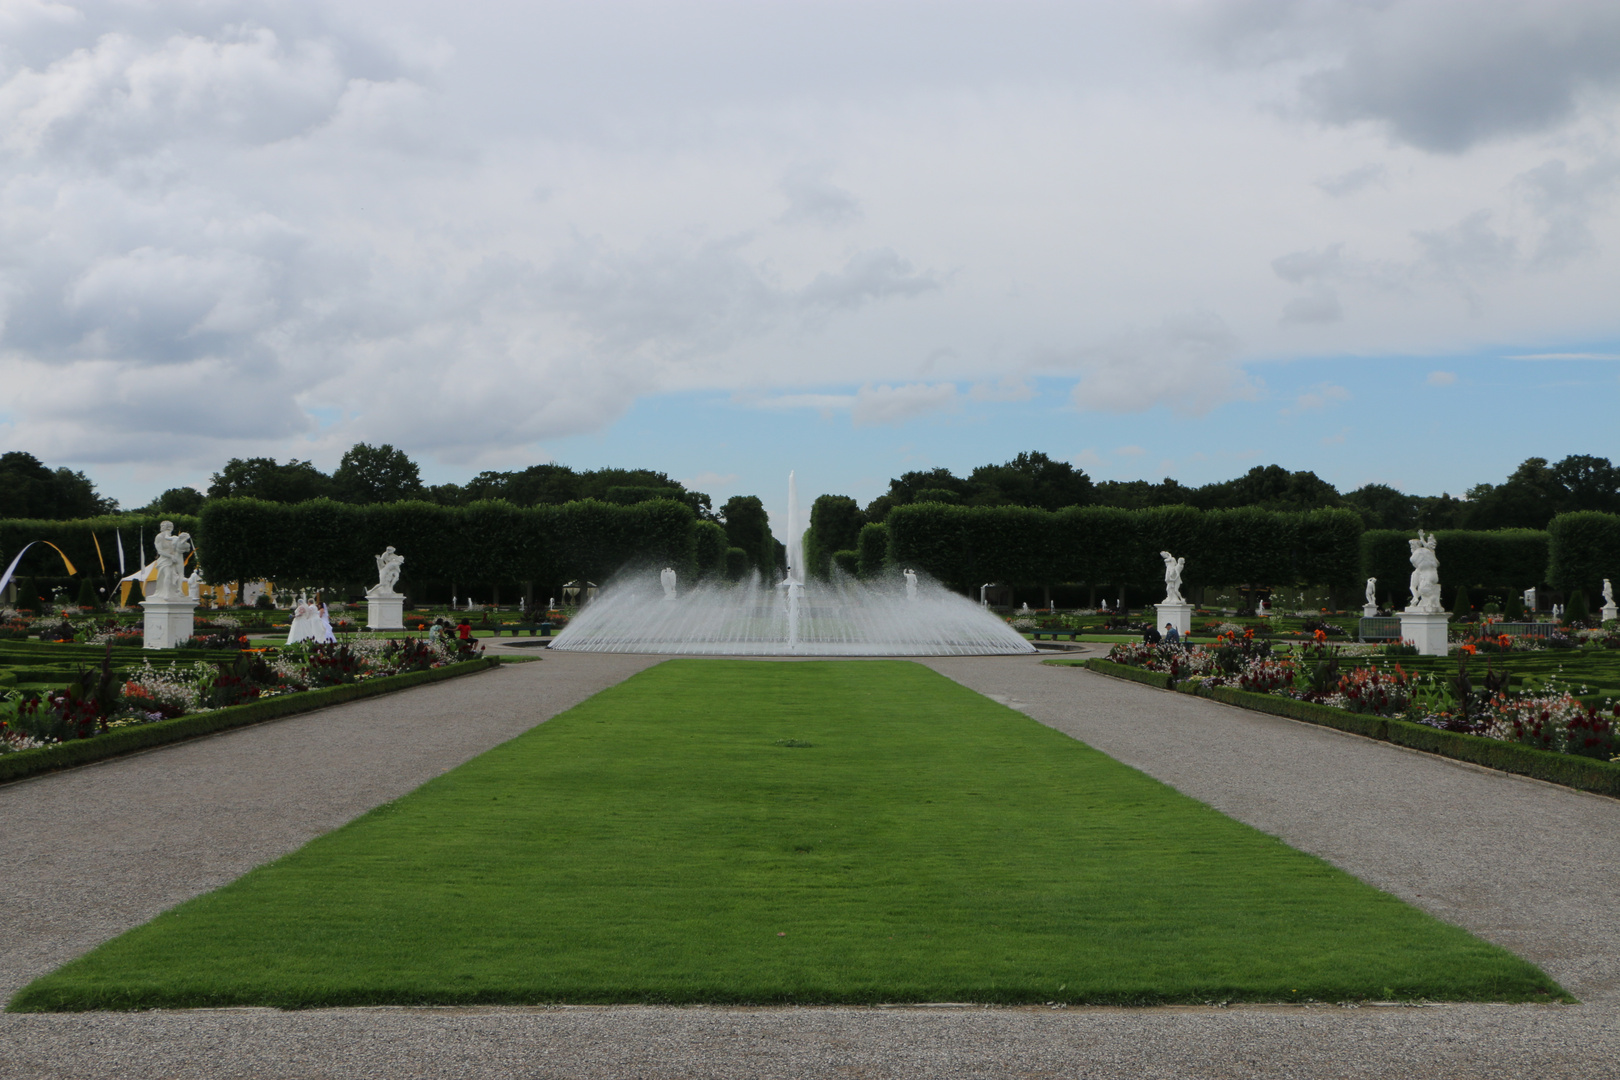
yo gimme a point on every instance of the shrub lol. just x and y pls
(1462, 605)
(1576, 612)
(264, 603)
(87, 594)
(737, 563)
(848, 561)
(1514, 611)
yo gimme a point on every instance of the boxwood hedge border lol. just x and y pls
(1567, 770)
(28, 763)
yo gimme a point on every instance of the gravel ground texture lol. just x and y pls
(1525, 864)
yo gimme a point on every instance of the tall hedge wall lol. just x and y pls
(1512, 559)
(74, 538)
(492, 541)
(968, 546)
(1583, 549)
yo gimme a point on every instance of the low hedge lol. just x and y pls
(1134, 674)
(128, 740)
(1570, 770)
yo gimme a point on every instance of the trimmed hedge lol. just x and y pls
(1510, 559)
(128, 740)
(78, 539)
(1584, 549)
(489, 541)
(965, 546)
(1569, 770)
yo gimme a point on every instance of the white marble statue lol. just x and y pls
(666, 578)
(1608, 593)
(1172, 578)
(1530, 598)
(1263, 608)
(911, 584)
(388, 568)
(171, 551)
(1372, 592)
(1425, 583)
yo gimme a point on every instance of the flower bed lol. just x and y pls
(101, 699)
(125, 739)
(1470, 715)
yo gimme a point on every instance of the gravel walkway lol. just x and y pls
(1524, 864)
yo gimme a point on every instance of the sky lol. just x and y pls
(1377, 239)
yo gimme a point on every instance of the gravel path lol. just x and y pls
(1521, 863)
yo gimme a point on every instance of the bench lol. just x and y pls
(1379, 629)
(1054, 634)
(544, 629)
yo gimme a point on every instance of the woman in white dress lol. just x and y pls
(323, 620)
(305, 625)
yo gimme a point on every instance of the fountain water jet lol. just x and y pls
(843, 616)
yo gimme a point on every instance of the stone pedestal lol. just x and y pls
(168, 621)
(1177, 615)
(1611, 611)
(1426, 630)
(1369, 610)
(385, 612)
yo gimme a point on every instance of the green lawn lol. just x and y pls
(734, 831)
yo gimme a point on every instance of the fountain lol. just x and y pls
(906, 616)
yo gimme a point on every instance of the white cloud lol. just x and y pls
(1129, 451)
(710, 481)
(1566, 356)
(1087, 459)
(391, 216)
(883, 405)
(1318, 397)
(1441, 378)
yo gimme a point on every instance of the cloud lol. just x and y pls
(893, 405)
(1087, 459)
(1304, 267)
(1337, 438)
(1355, 180)
(871, 406)
(877, 274)
(1007, 388)
(1467, 249)
(815, 200)
(1441, 378)
(1442, 77)
(1566, 199)
(1565, 356)
(1318, 397)
(1129, 451)
(1185, 363)
(710, 481)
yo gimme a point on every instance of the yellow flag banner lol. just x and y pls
(99, 557)
(123, 592)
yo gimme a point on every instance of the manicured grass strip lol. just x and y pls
(1570, 770)
(128, 740)
(733, 831)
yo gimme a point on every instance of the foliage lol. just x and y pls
(1584, 549)
(376, 474)
(748, 526)
(835, 525)
(262, 478)
(30, 489)
(1508, 559)
(709, 545)
(872, 549)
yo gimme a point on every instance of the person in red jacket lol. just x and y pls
(464, 630)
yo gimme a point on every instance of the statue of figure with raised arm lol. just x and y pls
(911, 584)
(388, 567)
(666, 578)
(1425, 583)
(171, 560)
(1172, 578)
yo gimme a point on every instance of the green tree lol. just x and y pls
(179, 500)
(376, 474)
(1030, 479)
(748, 526)
(30, 489)
(835, 525)
(1526, 500)
(262, 478)
(1382, 507)
(1580, 482)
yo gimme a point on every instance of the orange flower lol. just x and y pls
(1469, 649)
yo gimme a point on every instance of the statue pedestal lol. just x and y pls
(1611, 611)
(168, 621)
(1370, 610)
(385, 612)
(1177, 615)
(1426, 630)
